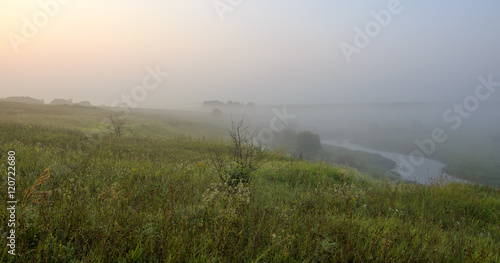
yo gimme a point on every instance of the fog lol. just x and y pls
(271, 53)
(385, 74)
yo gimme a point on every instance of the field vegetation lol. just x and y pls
(153, 195)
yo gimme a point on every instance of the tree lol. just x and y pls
(61, 102)
(213, 103)
(117, 121)
(286, 139)
(216, 112)
(84, 103)
(245, 156)
(308, 143)
(234, 104)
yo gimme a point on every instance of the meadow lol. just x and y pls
(153, 195)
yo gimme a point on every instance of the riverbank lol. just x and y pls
(430, 171)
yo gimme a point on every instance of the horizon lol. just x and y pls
(280, 53)
(200, 104)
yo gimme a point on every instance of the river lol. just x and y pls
(427, 172)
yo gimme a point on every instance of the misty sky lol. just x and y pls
(268, 52)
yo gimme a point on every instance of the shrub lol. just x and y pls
(245, 156)
(216, 112)
(308, 143)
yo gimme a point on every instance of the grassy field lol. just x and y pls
(372, 164)
(152, 195)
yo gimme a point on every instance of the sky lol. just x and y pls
(267, 52)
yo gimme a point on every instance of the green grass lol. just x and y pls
(373, 164)
(156, 198)
(469, 153)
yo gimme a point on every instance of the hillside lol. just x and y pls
(26, 100)
(153, 195)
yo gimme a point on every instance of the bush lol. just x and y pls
(245, 156)
(308, 144)
(216, 112)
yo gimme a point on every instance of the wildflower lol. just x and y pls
(274, 235)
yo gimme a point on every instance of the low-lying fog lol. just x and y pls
(464, 139)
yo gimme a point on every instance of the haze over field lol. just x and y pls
(268, 52)
(385, 74)
(250, 131)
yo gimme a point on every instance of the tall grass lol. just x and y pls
(134, 199)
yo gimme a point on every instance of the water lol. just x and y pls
(427, 172)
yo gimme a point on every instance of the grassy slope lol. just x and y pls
(473, 158)
(89, 120)
(372, 164)
(146, 199)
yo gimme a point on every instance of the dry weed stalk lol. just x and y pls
(34, 196)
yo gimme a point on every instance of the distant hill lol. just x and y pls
(29, 100)
(26, 100)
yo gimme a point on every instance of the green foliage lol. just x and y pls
(308, 143)
(245, 156)
(237, 173)
(286, 140)
(154, 199)
(373, 164)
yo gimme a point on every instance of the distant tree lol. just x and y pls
(230, 103)
(286, 139)
(308, 143)
(84, 103)
(234, 104)
(213, 103)
(250, 104)
(117, 121)
(61, 102)
(216, 112)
